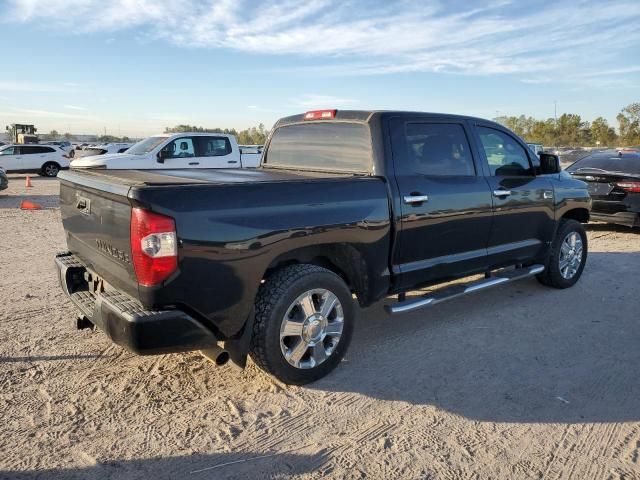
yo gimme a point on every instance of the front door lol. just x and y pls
(445, 202)
(523, 204)
(10, 159)
(200, 152)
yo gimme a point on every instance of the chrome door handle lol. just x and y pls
(501, 193)
(415, 198)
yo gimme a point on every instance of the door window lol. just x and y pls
(212, 146)
(506, 157)
(30, 150)
(9, 151)
(438, 149)
(180, 148)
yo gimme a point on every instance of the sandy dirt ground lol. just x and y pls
(522, 382)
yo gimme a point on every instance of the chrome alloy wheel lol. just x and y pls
(311, 328)
(570, 255)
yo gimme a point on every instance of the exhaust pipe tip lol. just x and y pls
(83, 322)
(216, 354)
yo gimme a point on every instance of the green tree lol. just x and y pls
(601, 132)
(629, 124)
(250, 136)
(53, 135)
(68, 137)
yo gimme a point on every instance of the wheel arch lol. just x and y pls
(343, 259)
(579, 214)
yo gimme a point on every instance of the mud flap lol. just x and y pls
(238, 347)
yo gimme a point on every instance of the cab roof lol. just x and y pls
(365, 116)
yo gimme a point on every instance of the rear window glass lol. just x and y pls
(609, 162)
(321, 146)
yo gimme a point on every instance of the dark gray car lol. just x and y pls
(4, 181)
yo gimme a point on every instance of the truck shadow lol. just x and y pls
(47, 358)
(610, 227)
(522, 353)
(219, 466)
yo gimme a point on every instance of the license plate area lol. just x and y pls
(95, 284)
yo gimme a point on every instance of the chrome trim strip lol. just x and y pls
(434, 299)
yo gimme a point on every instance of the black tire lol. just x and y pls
(273, 302)
(50, 169)
(552, 275)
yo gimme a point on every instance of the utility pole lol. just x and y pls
(555, 120)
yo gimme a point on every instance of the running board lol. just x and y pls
(447, 293)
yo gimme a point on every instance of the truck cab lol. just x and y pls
(175, 151)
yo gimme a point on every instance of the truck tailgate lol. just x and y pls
(96, 216)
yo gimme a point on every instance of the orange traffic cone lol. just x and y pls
(28, 205)
(28, 182)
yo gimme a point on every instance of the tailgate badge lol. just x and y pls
(83, 204)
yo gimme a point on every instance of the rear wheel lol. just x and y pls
(50, 169)
(303, 324)
(567, 257)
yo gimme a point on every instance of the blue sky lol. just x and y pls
(136, 66)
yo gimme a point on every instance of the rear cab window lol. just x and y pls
(321, 146)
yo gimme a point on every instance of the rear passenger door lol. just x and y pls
(445, 202)
(523, 204)
(35, 156)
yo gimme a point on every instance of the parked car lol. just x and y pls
(179, 150)
(107, 148)
(346, 204)
(66, 146)
(613, 180)
(46, 160)
(536, 148)
(4, 180)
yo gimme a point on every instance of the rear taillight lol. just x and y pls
(154, 246)
(320, 115)
(629, 186)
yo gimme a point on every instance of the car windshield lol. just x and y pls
(146, 145)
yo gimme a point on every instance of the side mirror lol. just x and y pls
(549, 164)
(162, 155)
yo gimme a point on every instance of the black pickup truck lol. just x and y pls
(347, 206)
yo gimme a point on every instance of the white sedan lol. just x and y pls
(46, 160)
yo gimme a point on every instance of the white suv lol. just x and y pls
(46, 160)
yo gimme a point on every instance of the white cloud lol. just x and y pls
(28, 87)
(36, 113)
(75, 107)
(363, 37)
